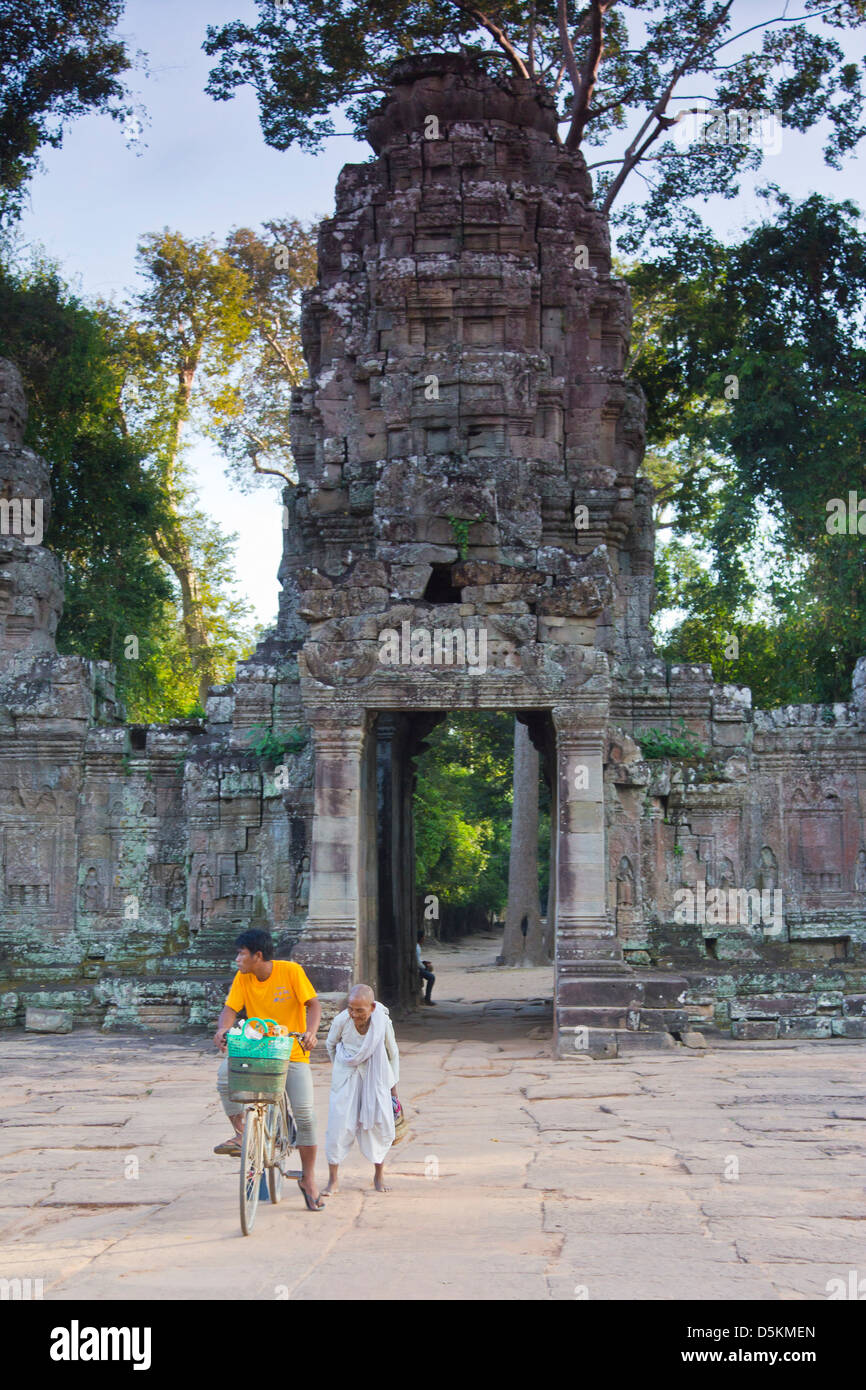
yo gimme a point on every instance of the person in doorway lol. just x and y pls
(363, 1049)
(425, 970)
(277, 989)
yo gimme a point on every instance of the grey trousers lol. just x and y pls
(299, 1089)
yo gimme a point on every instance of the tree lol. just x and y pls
(111, 506)
(758, 418)
(463, 812)
(187, 332)
(213, 346)
(463, 816)
(612, 67)
(106, 502)
(251, 416)
(58, 59)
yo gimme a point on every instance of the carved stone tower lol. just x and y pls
(466, 449)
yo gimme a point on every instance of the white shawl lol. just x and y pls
(373, 1094)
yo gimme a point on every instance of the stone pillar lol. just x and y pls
(585, 932)
(588, 958)
(330, 947)
(389, 974)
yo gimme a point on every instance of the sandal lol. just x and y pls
(232, 1147)
(311, 1205)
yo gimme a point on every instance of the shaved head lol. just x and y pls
(361, 994)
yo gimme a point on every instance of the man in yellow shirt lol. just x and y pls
(277, 989)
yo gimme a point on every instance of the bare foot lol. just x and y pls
(379, 1185)
(329, 1189)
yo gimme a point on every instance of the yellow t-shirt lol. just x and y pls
(283, 996)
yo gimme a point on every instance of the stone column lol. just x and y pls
(585, 931)
(330, 947)
(389, 979)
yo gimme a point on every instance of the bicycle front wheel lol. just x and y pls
(277, 1145)
(252, 1167)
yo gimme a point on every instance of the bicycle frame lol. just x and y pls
(259, 1152)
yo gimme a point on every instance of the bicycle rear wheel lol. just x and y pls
(252, 1167)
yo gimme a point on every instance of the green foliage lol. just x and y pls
(186, 333)
(463, 803)
(460, 528)
(216, 343)
(58, 59)
(752, 358)
(460, 532)
(463, 810)
(611, 69)
(250, 414)
(105, 500)
(659, 743)
(272, 746)
(111, 506)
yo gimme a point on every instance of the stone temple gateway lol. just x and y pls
(468, 448)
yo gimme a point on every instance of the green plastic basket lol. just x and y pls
(258, 1066)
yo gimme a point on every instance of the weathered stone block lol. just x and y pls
(848, 1027)
(774, 1005)
(806, 1026)
(754, 1028)
(48, 1020)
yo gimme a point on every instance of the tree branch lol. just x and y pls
(499, 35)
(532, 41)
(636, 150)
(568, 58)
(273, 472)
(780, 19)
(589, 76)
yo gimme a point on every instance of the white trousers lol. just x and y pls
(343, 1129)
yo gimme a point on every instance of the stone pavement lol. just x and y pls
(736, 1172)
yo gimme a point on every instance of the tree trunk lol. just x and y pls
(173, 548)
(519, 946)
(174, 552)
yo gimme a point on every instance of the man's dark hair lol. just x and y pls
(256, 939)
(421, 934)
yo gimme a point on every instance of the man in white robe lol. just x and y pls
(363, 1049)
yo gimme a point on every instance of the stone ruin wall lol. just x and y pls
(131, 856)
(778, 803)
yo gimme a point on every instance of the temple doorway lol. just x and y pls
(445, 790)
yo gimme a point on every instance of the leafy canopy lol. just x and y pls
(58, 59)
(753, 358)
(106, 501)
(625, 77)
(463, 812)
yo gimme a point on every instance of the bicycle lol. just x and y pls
(270, 1134)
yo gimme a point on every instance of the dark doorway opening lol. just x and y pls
(440, 587)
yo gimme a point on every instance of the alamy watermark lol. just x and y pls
(77, 1343)
(22, 517)
(20, 1290)
(760, 128)
(847, 520)
(717, 907)
(854, 1288)
(439, 646)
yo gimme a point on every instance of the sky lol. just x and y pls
(205, 168)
